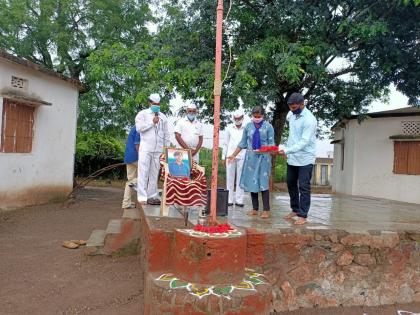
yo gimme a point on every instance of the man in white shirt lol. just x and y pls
(189, 132)
(152, 125)
(233, 137)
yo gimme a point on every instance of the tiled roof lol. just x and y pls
(40, 68)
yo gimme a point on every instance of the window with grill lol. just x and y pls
(407, 157)
(19, 83)
(17, 127)
(410, 127)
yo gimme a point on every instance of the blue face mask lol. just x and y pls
(191, 117)
(155, 108)
(297, 111)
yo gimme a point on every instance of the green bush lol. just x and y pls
(99, 145)
(280, 170)
(206, 156)
(95, 150)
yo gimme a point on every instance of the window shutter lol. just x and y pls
(17, 127)
(400, 157)
(413, 158)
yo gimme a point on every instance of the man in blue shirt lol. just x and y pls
(130, 159)
(178, 168)
(300, 151)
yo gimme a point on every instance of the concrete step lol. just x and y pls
(112, 231)
(121, 236)
(131, 214)
(95, 242)
(114, 227)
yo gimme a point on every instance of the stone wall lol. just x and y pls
(304, 268)
(327, 268)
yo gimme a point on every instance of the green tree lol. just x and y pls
(76, 38)
(280, 47)
(124, 77)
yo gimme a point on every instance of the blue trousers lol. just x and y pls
(299, 186)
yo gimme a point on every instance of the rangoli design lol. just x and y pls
(251, 280)
(194, 233)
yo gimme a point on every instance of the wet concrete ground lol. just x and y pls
(350, 213)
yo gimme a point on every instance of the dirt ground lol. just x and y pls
(39, 276)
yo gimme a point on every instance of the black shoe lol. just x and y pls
(230, 204)
(153, 201)
(241, 205)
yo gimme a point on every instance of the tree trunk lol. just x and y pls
(279, 120)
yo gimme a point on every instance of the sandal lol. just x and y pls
(252, 213)
(290, 216)
(265, 215)
(70, 245)
(300, 221)
(79, 242)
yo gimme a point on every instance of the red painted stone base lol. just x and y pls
(210, 259)
(305, 268)
(166, 294)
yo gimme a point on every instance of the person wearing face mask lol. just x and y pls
(189, 132)
(300, 151)
(152, 125)
(257, 166)
(131, 157)
(233, 137)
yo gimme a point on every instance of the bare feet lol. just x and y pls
(290, 216)
(265, 215)
(252, 213)
(300, 221)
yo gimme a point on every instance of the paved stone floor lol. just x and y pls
(350, 213)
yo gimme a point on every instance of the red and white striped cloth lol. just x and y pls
(186, 192)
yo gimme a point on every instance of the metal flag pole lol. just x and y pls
(217, 95)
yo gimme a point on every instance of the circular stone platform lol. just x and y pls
(217, 258)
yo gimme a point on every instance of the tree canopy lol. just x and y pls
(280, 47)
(89, 40)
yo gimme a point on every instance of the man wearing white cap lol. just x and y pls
(189, 132)
(152, 125)
(233, 137)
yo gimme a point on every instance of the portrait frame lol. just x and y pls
(186, 159)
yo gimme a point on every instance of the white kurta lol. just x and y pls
(232, 139)
(154, 137)
(190, 133)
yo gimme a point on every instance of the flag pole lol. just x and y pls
(217, 96)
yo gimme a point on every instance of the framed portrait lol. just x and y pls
(179, 162)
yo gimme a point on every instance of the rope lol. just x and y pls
(230, 46)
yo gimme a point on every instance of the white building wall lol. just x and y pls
(47, 172)
(374, 160)
(343, 178)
